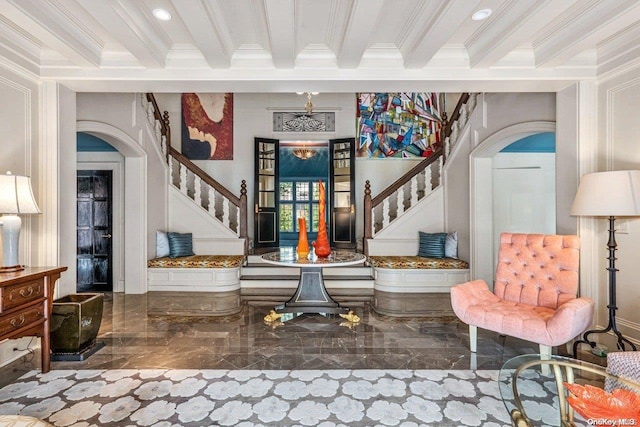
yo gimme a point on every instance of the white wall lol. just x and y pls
(618, 149)
(494, 113)
(121, 120)
(253, 117)
(19, 126)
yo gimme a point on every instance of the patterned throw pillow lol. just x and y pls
(180, 244)
(431, 244)
(451, 245)
(162, 244)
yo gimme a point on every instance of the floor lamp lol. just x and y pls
(16, 198)
(608, 194)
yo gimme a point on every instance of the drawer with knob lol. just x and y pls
(22, 318)
(21, 294)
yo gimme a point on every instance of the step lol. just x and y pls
(257, 259)
(291, 281)
(264, 269)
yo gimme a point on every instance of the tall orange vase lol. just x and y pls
(321, 245)
(303, 242)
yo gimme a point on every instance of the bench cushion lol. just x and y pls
(416, 262)
(198, 261)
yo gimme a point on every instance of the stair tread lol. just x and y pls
(296, 277)
(267, 265)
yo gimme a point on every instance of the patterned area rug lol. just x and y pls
(167, 398)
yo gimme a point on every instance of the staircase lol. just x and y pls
(415, 186)
(207, 193)
(265, 284)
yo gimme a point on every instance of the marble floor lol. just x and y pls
(136, 340)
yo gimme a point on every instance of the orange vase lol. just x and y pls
(321, 245)
(303, 242)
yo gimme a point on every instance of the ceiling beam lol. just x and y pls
(441, 24)
(207, 27)
(281, 16)
(586, 23)
(621, 50)
(358, 32)
(509, 27)
(53, 27)
(18, 46)
(133, 29)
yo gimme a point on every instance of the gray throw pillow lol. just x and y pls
(431, 245)
(180, 244)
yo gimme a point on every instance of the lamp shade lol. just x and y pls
(615, 193)
(16, 196)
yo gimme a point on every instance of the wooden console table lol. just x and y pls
(26, 298)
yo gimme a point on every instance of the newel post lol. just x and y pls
(368, 221)
(243, 216)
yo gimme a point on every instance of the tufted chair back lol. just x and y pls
(537, 269)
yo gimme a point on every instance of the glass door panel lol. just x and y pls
(342, 190)
(266, 193)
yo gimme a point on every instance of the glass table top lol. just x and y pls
(287, 256)
(535, 390)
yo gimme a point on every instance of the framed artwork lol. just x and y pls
(207, 126)
(399, 124)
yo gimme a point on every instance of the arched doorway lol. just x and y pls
(131, 240)
(482, 195)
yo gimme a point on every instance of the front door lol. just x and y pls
(342, 193)
(94, 264)
(266, 193)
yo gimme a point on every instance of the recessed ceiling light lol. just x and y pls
(162, 14)
(481, 14)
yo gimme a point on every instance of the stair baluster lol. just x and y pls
(183, 179)
(197, 189)
(400, 200)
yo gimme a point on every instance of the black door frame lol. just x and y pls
(331, 209)
(344, 217)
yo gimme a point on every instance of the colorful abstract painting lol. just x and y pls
(399, 125)
(207, 126)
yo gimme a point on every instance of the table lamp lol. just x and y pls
(16, 198)
(608, 194)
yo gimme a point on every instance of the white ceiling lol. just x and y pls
(323, 45)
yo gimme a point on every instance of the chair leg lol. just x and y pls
(545, 351)
(473, 338)
(545, 354)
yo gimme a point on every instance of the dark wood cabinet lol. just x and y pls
(26, 298)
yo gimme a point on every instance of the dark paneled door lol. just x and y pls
(266, 193)
(342, 193)
(94, 264)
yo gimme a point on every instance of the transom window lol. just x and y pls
(298, 199)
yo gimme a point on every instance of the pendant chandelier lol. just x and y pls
(304, 153)
(308, 106)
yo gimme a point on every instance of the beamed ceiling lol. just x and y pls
(323, 45)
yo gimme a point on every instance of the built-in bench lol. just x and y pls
(197, 285)
(410, 286)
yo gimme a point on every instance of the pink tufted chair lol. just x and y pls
(534, 296)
